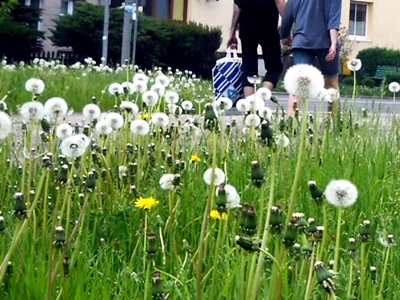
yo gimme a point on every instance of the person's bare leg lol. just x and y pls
(248, 90)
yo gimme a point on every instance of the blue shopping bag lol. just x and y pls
(227, 77)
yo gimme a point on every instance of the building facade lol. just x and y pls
(370, 22)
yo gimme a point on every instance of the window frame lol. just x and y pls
(353, 36)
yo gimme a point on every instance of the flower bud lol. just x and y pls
(151, 244)
(276, 220)
(90, 182)
(62, 174)
(300, 221)
(66, 266)
(316, 193)
(312, 227)
(320, 232)
(373, 274)
(59, 237)
(290, 234)
(352, 247)
(3, 226)
(20, 205)
(246, 243)
(365, 231)
(257, 175)
(221, 199)
(324, 277)
(308, 248)
(248, 219)
(157, 290)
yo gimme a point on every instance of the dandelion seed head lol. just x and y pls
(140, 127)
(74, 145)
(64, 130)
(55, 107)
(150, 98)
(304, 81)
(341, 193)
(35, 86)
(394, 87)
(160, 119)
(103, 127)
(115, 89)
(219, 176)
(115, 120)
(5, 125)
(32, 111)
(354, 64)
(91, 111)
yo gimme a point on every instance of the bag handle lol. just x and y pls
(231, 53)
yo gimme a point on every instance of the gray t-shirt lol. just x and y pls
(312, 20)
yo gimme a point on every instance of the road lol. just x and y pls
(385, 105)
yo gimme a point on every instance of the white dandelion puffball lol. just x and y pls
(63, 131)
(354, 64)
(139, 87)
(32, 111)
(303, 81)
(187, 105)
(282, 141)
(85, 140)
(166, 181)
(35, 86)
(232, 196)
(158, 88)
(223, 103)
(55, 107)
(91, 111)
(150, 98)
(242, 105)
(171, 97)
(162, 79)
(341, 193)
(394, 87)
(252, 120)
(103, 127)
(333, 93)
(140, 127)
(265, 113)
(5, 125)
(140, 77)
(219, 177)
(129, 87)
(255, 103)
(160, 119)
(74, 146)
(174, 109)
(323, 95)
(115, 120)
(129, 107)
(264, 93)
(115, 89)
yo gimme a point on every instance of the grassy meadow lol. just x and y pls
(138, 204)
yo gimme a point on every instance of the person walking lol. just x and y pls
(258, 25)
(315, 35)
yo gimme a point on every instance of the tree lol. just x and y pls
(160, 43)
(19, 35)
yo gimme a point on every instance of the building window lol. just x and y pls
(358, 19)
(67, 8)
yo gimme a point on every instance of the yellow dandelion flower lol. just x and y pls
(195, 158)
(216, 215)
(146, 203)
(50, 137)
(145, 116)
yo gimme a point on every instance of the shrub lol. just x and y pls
(369, 82)
(348, 81)
(372, 57)
(160, 43)
(392, 76)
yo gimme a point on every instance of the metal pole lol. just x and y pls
(126, 34)
(106, 23)
(135, 34)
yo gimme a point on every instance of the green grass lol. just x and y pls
(108, 239)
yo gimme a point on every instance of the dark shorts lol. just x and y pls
(271, 53)
(307, 56)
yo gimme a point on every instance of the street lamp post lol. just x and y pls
(104, 52)
(127, 32)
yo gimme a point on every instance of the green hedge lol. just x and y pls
(373, 57)
(160, 43)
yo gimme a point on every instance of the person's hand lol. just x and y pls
(232, 41)
(287, 41)
(332, 53)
